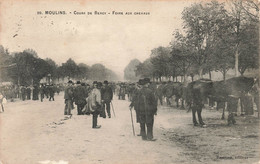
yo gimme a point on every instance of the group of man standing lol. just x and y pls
(43, 90)
(89, 100)
(96, 100)
(145, 106)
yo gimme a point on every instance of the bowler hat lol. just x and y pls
(69, 81)
(78, 82)
(105, 82)
(95, 82)
(141, 82)
(147, 80)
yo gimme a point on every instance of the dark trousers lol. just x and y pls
(211, 102)
(68, 107)
(51, 97)
(28, 96)
(94, 119)
(79, 108)
(42, 96)
(107, 106)
(147, 124)
(23, 97)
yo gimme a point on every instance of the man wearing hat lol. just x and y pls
(135, 101)
(68, 96)
(42, 92)
(52, 92)
(147, 109)
(232, 104)
(94, 103)
(107, 96)
(23, 92)
(122, 91)
(80, 96)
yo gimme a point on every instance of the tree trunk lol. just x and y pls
(236, 62)
(173, 77)
(18, 80)
(224, 75)
(242, 71)
(192, 78)
(185, 78)
(209, 74)
(201, 73)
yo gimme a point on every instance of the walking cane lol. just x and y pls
(113, 109)
(132, 121)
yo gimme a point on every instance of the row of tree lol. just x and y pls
(26, 68)
(215, 37)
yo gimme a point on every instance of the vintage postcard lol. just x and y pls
(129, 82)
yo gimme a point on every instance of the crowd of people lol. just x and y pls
(25, 92)
(93, 100)
(96, 100)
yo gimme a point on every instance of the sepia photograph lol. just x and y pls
(129, 82)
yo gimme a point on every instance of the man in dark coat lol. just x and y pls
(80, 96)
(28, 92)
(68, 96)
(42, 91)
(197, 106)
(51, 92)
(106, 96)
(23, 92)
(35, 92)
(135, 102)
(232, 104)
(148, 108)
(46, 91)
(122, 92)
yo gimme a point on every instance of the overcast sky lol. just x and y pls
(112, 40)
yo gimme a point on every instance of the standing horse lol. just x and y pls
(220, 91)
(169, 90)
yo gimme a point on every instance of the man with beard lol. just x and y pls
(107, 96)
(148, 108)
(80, 97)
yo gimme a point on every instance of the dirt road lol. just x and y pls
(36, 132)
